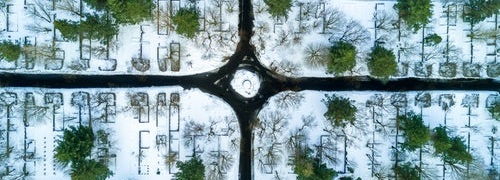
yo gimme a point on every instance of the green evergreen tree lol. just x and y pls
(97, 4)
(192, 169)
(278, 8)
(186, 22)
(89, 169)
(342, 58)
(309, 168)
(482, 9)
(98, 27)
(9, 51)
(453, 149)
(407, 171)
(70, 30)
(382, 62)
(75, 146)
(340, 111)
(416, 13)
(131, 11)
(415, 132)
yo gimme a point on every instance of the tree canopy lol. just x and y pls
(342, 57)
(97, 4)
(193, 169)
(481, 9)
(340, 110)
(90, 169)
(495, 110)
(382, 62)
(97, 27)
(416, 13)
(186, 22)
(415, 132)
(10, 51)
(407, 171)
(309, 168)
(453, 149)
(76, 144)
(278, 8)
(75, 148)
(131, 11)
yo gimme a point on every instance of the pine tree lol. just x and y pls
(342, 58)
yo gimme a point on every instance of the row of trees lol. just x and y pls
(381, 62)
(341, 112)
(125, 11)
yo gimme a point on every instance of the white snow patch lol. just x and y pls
(246, 83)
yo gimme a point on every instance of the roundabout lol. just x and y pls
(245, 83)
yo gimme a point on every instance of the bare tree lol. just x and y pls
(316, 55)
(192, 129)
(221, 162)
(286, 68)
(71, 6)
(332, 20)
(40, 11)
(352, 31)
(271, 125)
(289, 99)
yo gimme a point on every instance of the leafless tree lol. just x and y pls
(273, 123)
(38, 27)
(231, 5)
(316, 55)
(269, 156)
(352, 32)
(333, 19)
(286, 68)
(164, 19)
(192, 129)
(40, 11)
(221, 162)
(289, 99)
(259, 7)
(71, 6)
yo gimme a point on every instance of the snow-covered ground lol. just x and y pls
(298, 118)
(246, 83)
(164, 52)
(146, 127)
(312, 26)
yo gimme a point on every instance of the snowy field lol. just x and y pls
(369, 143)
(146, 48)
(149, 129)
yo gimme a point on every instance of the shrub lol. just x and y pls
(432, 39)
